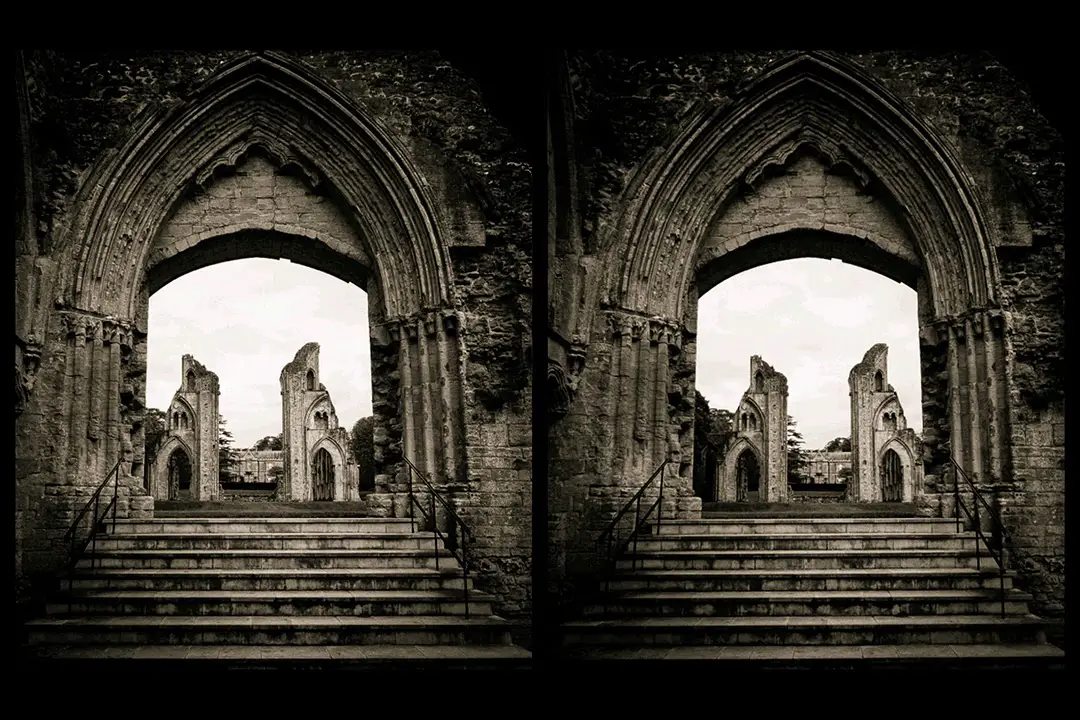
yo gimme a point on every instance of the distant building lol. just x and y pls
(259, 466)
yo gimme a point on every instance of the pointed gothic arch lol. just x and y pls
(159, 464)
(267, 101)
(815, 100)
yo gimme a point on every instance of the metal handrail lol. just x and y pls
(616, 548)
(75, 554)
(995, 550)
(451, 545)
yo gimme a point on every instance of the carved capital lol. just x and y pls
(410, 329)
(111, 331)
(996, 319)
(575, 355)
(961, 331)
(393, 330)
(430, 323)
(560, 390)
(978, 319)
(93, 328)
(450, 321)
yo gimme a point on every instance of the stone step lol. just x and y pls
(174, 526)
(269, 630)
(269, 541)
(312, 579)
(896, 579)
(877, 630)
(286, 603)
(962, 656)
(790, 525)
(806, 541)
(801, 604)
(308, 657)
(264, 559)
(796, 559)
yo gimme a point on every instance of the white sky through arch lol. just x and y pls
(812, 320)
(244, 320)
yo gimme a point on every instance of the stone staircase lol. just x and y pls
(269, 592)
(802, 592)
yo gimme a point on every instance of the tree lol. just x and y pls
(721, 426)
(227, 460)
(798, 463)
(363, 447)
(154, 428)
(155, 425)
(840, 444)
(270, 442)
(844, 474)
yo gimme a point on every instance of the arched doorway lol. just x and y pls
(179, 475)
(748, 477)
(322, 476)
(892, 477)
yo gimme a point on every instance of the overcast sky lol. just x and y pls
(812, 320)
(245, 320)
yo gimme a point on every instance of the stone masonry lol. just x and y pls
(669, 173)
(192, 428)
(761, 428)
(878, 426)
(382, 168)
(310, 425)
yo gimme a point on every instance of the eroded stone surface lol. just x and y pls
(382, 168)
(699, 166)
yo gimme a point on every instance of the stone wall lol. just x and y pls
(1006, 366)
(80, 111)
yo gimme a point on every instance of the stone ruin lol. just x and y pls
(755, 464)
(318, 463)
(186, 464)
(885, 457)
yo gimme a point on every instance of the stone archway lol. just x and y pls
(178, 468)
(892, 477)
(747, 477)
(689, 219)
(378, 228)
(322, 476)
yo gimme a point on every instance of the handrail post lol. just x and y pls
(434, 530)
(637, 520)
(660, 506)
(115, 497)
(978, 526)
(956, 494)
(93, 534)
(465, 568)
(412, 500)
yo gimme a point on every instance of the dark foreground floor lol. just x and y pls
(807, 510)
(183, 508)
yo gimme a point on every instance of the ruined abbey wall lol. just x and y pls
(877, 425)
(106, 163)
(310, 424)
(1000, 350)
(192, 426)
